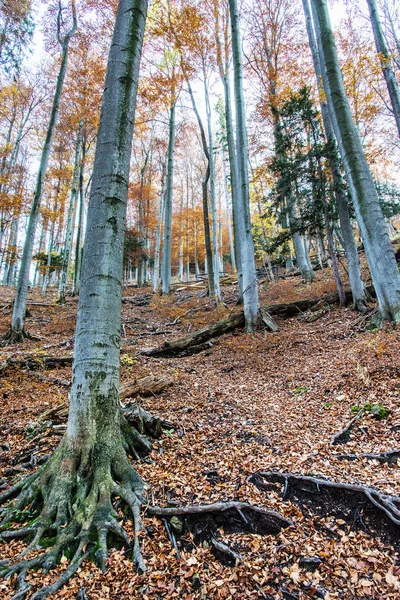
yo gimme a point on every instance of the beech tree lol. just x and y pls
(382, 262)
(248, 266)
(73, 491)
(356, 283)
(386, 61)
(17, 332)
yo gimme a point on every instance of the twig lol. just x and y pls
(172, 538)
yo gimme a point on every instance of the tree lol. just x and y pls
(249, 276)
(356, 283)
(91, 465)
(17, 332)
(384, 271)
(16, 30)
(386, 61)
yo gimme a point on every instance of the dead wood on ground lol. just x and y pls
(389, 457)
(343, 436)
(146, 386)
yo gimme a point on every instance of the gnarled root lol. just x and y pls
(17, 336)
(72, 499)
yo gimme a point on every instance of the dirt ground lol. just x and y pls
(262, 402)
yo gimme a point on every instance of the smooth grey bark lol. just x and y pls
(385, 58)
(11, 259)
(74, 491)
(18, 319)
(167, 245)
(70, 219)
(248, 265)
(180, 253)
(213, 200)
(305, 269)
(209, 266)
(384, 271)
(350, 247)
(307, 252)
(228, 216)
(156, 269)
(79, 226)
(223, 62)
(94, 402)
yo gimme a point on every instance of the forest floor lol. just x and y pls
(268, 401)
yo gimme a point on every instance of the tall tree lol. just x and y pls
(248, 265)
(386, 61)
(17, 332)
(356, 283)
(74, 489)
(369, 214)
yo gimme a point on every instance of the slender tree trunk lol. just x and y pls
(369, 215)
(16, 333)
(79, 228)
(386, 61)
(228, 216)
(213, 201)
(70, 219)
(156, 270)
(167, 246)
(249, 275)
(350, 247)
(206, 218)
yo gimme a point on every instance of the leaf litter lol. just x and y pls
(264, 402)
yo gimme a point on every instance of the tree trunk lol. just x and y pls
(167, 246)
(228, 216)
(371, 221)
(70, 220)
(204, 185)
(79, 232)
(156, 269)
(213, 200)
(248, 266)
(385, 58)
(350, 247)
(16, 333)
(91, 464)
(75, 488)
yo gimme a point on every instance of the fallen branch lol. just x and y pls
(137, 300)
(197, 339)
(343, 436)
(194, 342)
(227, 551)
(307, 485)
(389, 457)
(146, 386)
(37, 362)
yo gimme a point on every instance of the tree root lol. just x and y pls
(72, 500)
(350, 494)
(204, 522)
(389, 457)
(18, 336)
(343, 436)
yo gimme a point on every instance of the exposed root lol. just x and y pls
(389, 457)
(331, 493)
(343, 436)
(205, 521)
(71, 500)
(18, 336)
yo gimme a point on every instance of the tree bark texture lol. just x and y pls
(369, 215)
